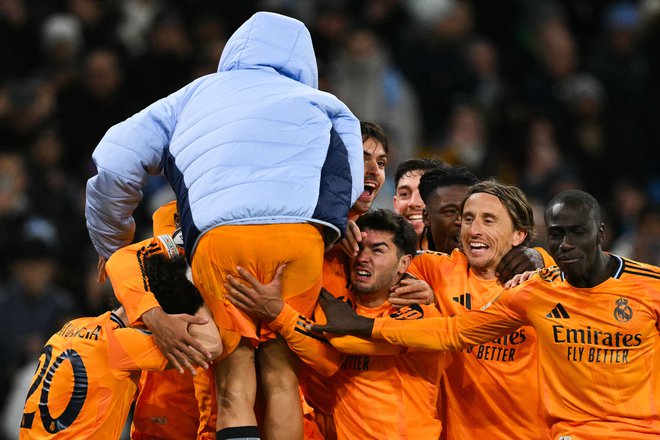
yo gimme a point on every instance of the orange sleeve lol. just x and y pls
(451, 333)
(362, 346)
(133, 349)
(417, 270)
(355, 345)
(548, 261)
(128, 281)
(313, 349)
(163, 219)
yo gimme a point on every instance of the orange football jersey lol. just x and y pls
(598, 347)
(490, 390)
(379, 391)
(87, 378)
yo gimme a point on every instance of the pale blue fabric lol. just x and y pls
(246, 145)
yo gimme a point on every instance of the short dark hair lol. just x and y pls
(579, 197)
(371, 130)
(405, 237)
(441, 177)
(515, 202)
(410, 165)
(169, 284)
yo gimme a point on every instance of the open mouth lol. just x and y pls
(362, 274)
(369, 191)
(415, 218)
(478, 247)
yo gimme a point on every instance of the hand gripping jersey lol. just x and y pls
(86, 380)
(490, 390)
(598, 347)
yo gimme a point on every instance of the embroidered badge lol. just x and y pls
(622, 311)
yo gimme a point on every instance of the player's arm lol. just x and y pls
(349, 344)
(423, 268)
(264, 301)
(129, 282)
(367, 346)
(316, 351)
(135, 349)
(127, 154)
(440, 333)
(125, 269)
(520, 259)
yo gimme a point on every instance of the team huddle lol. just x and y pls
(273, 302)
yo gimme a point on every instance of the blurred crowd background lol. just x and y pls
(547, 95)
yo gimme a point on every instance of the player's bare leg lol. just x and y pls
(277, 366)
(236, 386)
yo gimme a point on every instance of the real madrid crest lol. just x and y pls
(622, 311)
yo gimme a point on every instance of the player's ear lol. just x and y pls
(425, 218)
(404, 262)
(519, 236)
(601, 233)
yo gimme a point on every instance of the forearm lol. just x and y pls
(445, 333)
(127, 154)
(348, 344)
(425, 334)
(128, 282)
(108, 209)
(312, 349)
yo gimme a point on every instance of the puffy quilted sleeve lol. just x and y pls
(128, 153)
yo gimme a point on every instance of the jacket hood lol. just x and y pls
(272, 40)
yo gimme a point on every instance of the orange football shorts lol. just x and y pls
(260, 249)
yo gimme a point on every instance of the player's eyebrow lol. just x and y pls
(380, 243)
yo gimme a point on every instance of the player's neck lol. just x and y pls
(484, 273)
(423, 243)
(372, 300)
(602, 269)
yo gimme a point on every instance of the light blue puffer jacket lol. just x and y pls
(254, 143)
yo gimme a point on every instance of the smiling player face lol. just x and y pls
(487, 233)
(408, 202)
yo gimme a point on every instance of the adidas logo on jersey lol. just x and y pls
(558, 312)
(464, 300)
